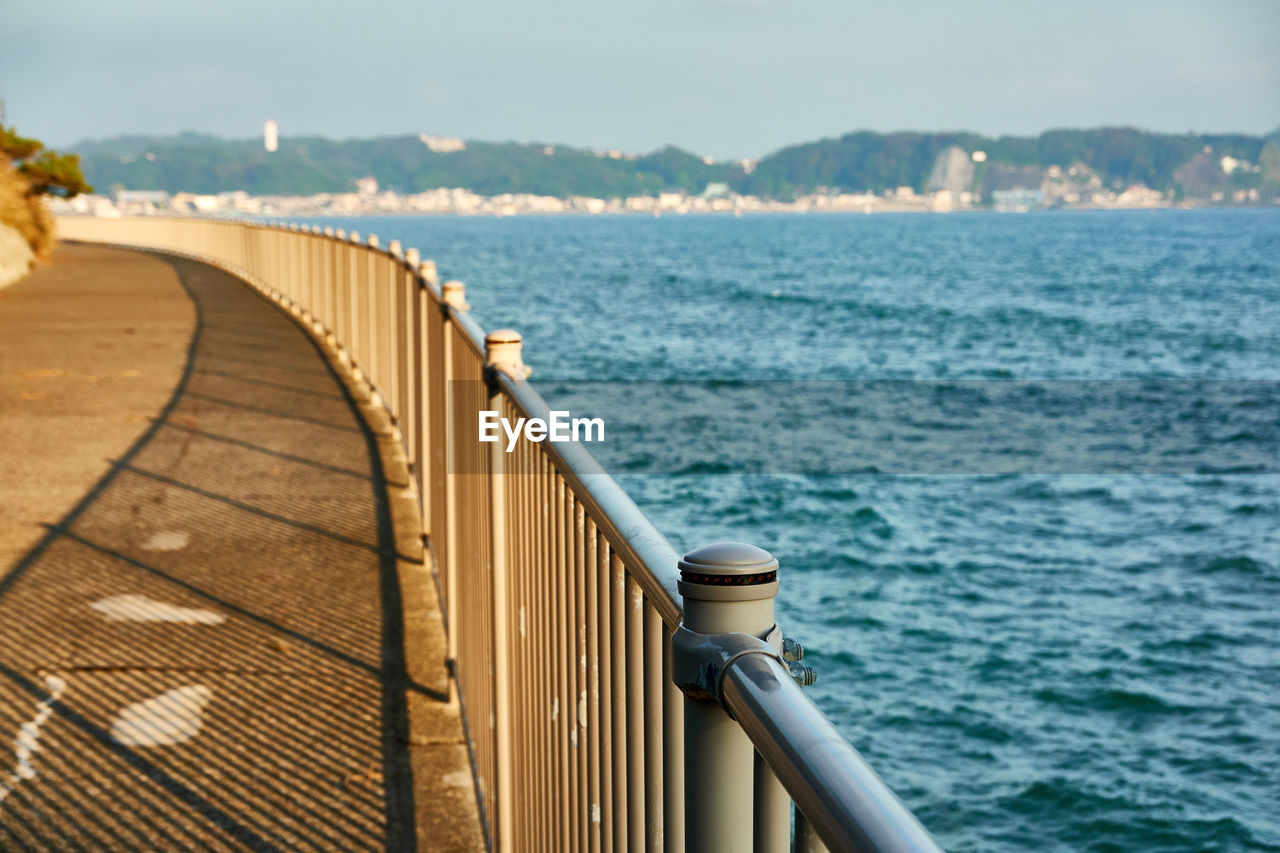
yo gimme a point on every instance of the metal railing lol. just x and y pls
(617, 697)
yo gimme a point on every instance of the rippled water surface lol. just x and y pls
(1034, 662)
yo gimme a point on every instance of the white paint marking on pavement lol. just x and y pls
(169, 718)
(458, 779)
(139, 608)
(167, 540)
(27, 740)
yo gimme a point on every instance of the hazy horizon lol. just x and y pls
(722, 78)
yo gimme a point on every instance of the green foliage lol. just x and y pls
(307, 165)
(55, 174)
(46, 172)
(1269, 160)
(851, 163)
(872, 161)
(17, 147)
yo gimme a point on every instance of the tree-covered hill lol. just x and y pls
(1120, 156)
(1184, 165)
(305, 165)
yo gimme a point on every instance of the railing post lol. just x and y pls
(501, 354)
(341, 305)
(355, 339)
(392, 318)
(411, 348)
(373, 365)
(728, 591)
(454, 295)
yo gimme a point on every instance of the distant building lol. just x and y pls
(979, 156)
(442, 144)
(1231, 164)
(157, 197)
(367, 186)
(670, 200)
(270, 135)
(716, 189)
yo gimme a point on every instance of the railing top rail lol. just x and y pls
(472, 332)
(837, 791)
(644, 550)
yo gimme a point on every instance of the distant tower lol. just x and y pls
(270, 139)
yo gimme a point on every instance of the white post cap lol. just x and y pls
(502, 351)
(454, 293)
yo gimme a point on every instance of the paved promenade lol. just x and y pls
(216, 631)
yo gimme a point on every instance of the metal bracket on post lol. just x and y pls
(699, 661)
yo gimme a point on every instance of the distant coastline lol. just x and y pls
(464, 203)
(858, 172)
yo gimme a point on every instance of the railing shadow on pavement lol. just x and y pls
(243, 510)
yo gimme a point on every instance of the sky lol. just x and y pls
(724, 78)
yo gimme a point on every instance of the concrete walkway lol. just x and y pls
(206, 647)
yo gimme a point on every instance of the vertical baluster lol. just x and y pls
(618, 687)
(673, 754)
(548, 787)
(772, 824)
(422, 403)
(522, 583)
(608, 741)
(583, 794)
(393, 269)
(373, 335)
(341, 302)
(569, 688)
(635, 717)
(594, 800)
(409, 356)
(654, 652)
(355, 293)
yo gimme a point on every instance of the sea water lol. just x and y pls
(1079, 657)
